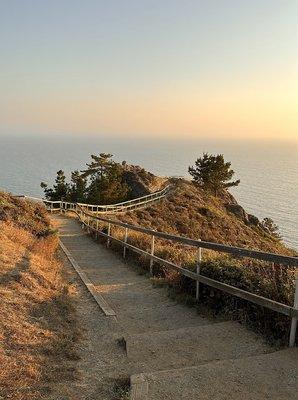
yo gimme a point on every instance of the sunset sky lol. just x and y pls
(225, 68)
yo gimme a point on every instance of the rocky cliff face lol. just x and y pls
(140, 181)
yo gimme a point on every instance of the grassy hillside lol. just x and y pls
(190, 211)
(38, 327)
(24, 214)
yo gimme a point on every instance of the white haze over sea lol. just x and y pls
(268, 171)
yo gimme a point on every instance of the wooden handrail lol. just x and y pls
(287, 310)
(235, 251)
(132, 201)
(88, 219)
(136, 203)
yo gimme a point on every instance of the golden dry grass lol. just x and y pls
(25, 214)
(272, 281)
(38, 330)
(190, 211)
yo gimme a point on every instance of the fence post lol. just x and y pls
(97, 228)
(294, 319)
(109, 234)
(152, 253)
(198, 272)
(125, 241)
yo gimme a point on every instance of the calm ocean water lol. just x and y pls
(268, 172)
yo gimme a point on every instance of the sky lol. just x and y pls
(166, 68)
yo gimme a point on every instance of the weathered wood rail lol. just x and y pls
(129, 205)
(91, 221)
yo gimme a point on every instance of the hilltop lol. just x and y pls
(190, 211)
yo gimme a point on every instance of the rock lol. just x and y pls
(140, 181)
(253, 220)
(238, 211)
(205, 212)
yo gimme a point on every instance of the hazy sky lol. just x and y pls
(150, 67)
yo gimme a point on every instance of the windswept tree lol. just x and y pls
(99, 165)
(212, 173)
(106, 180)
(59, 190)
(78, 187)
(101, 183)
(270, 226)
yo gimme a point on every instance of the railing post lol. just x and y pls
(125, 241)
(152, 253)
(97, 228)
(198, 272)
(109, 234)
(294, 319)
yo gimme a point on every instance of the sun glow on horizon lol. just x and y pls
(155, 69)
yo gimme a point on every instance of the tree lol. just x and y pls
(59, 190)
(101, 183)
(78, 187)
(270, 226)
(212, 173)
(99, 165)
(106, 180)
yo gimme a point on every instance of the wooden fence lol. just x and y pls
(91, 221)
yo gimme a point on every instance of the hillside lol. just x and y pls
(38, 328)
(190, 211)
(140, 181)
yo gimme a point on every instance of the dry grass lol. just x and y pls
(38, 330)
(191, 212)
(25, 214)
(272, 281)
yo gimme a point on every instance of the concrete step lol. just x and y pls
(145, 318)
(191, 346)
(265, 377)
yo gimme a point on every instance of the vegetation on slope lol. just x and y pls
(191, 211)
(103, 182)
(38, 329)
(202, 209)
(194, 212)
(24, 214)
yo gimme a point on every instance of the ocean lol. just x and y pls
(268, 171)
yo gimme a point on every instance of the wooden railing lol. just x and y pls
(91, 222)
(89, 218)
(129, 205)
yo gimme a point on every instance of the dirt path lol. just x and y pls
(101, 371)
(104, 369)
(154, 343)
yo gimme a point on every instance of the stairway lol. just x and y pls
(270, 376)
(171, 351)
